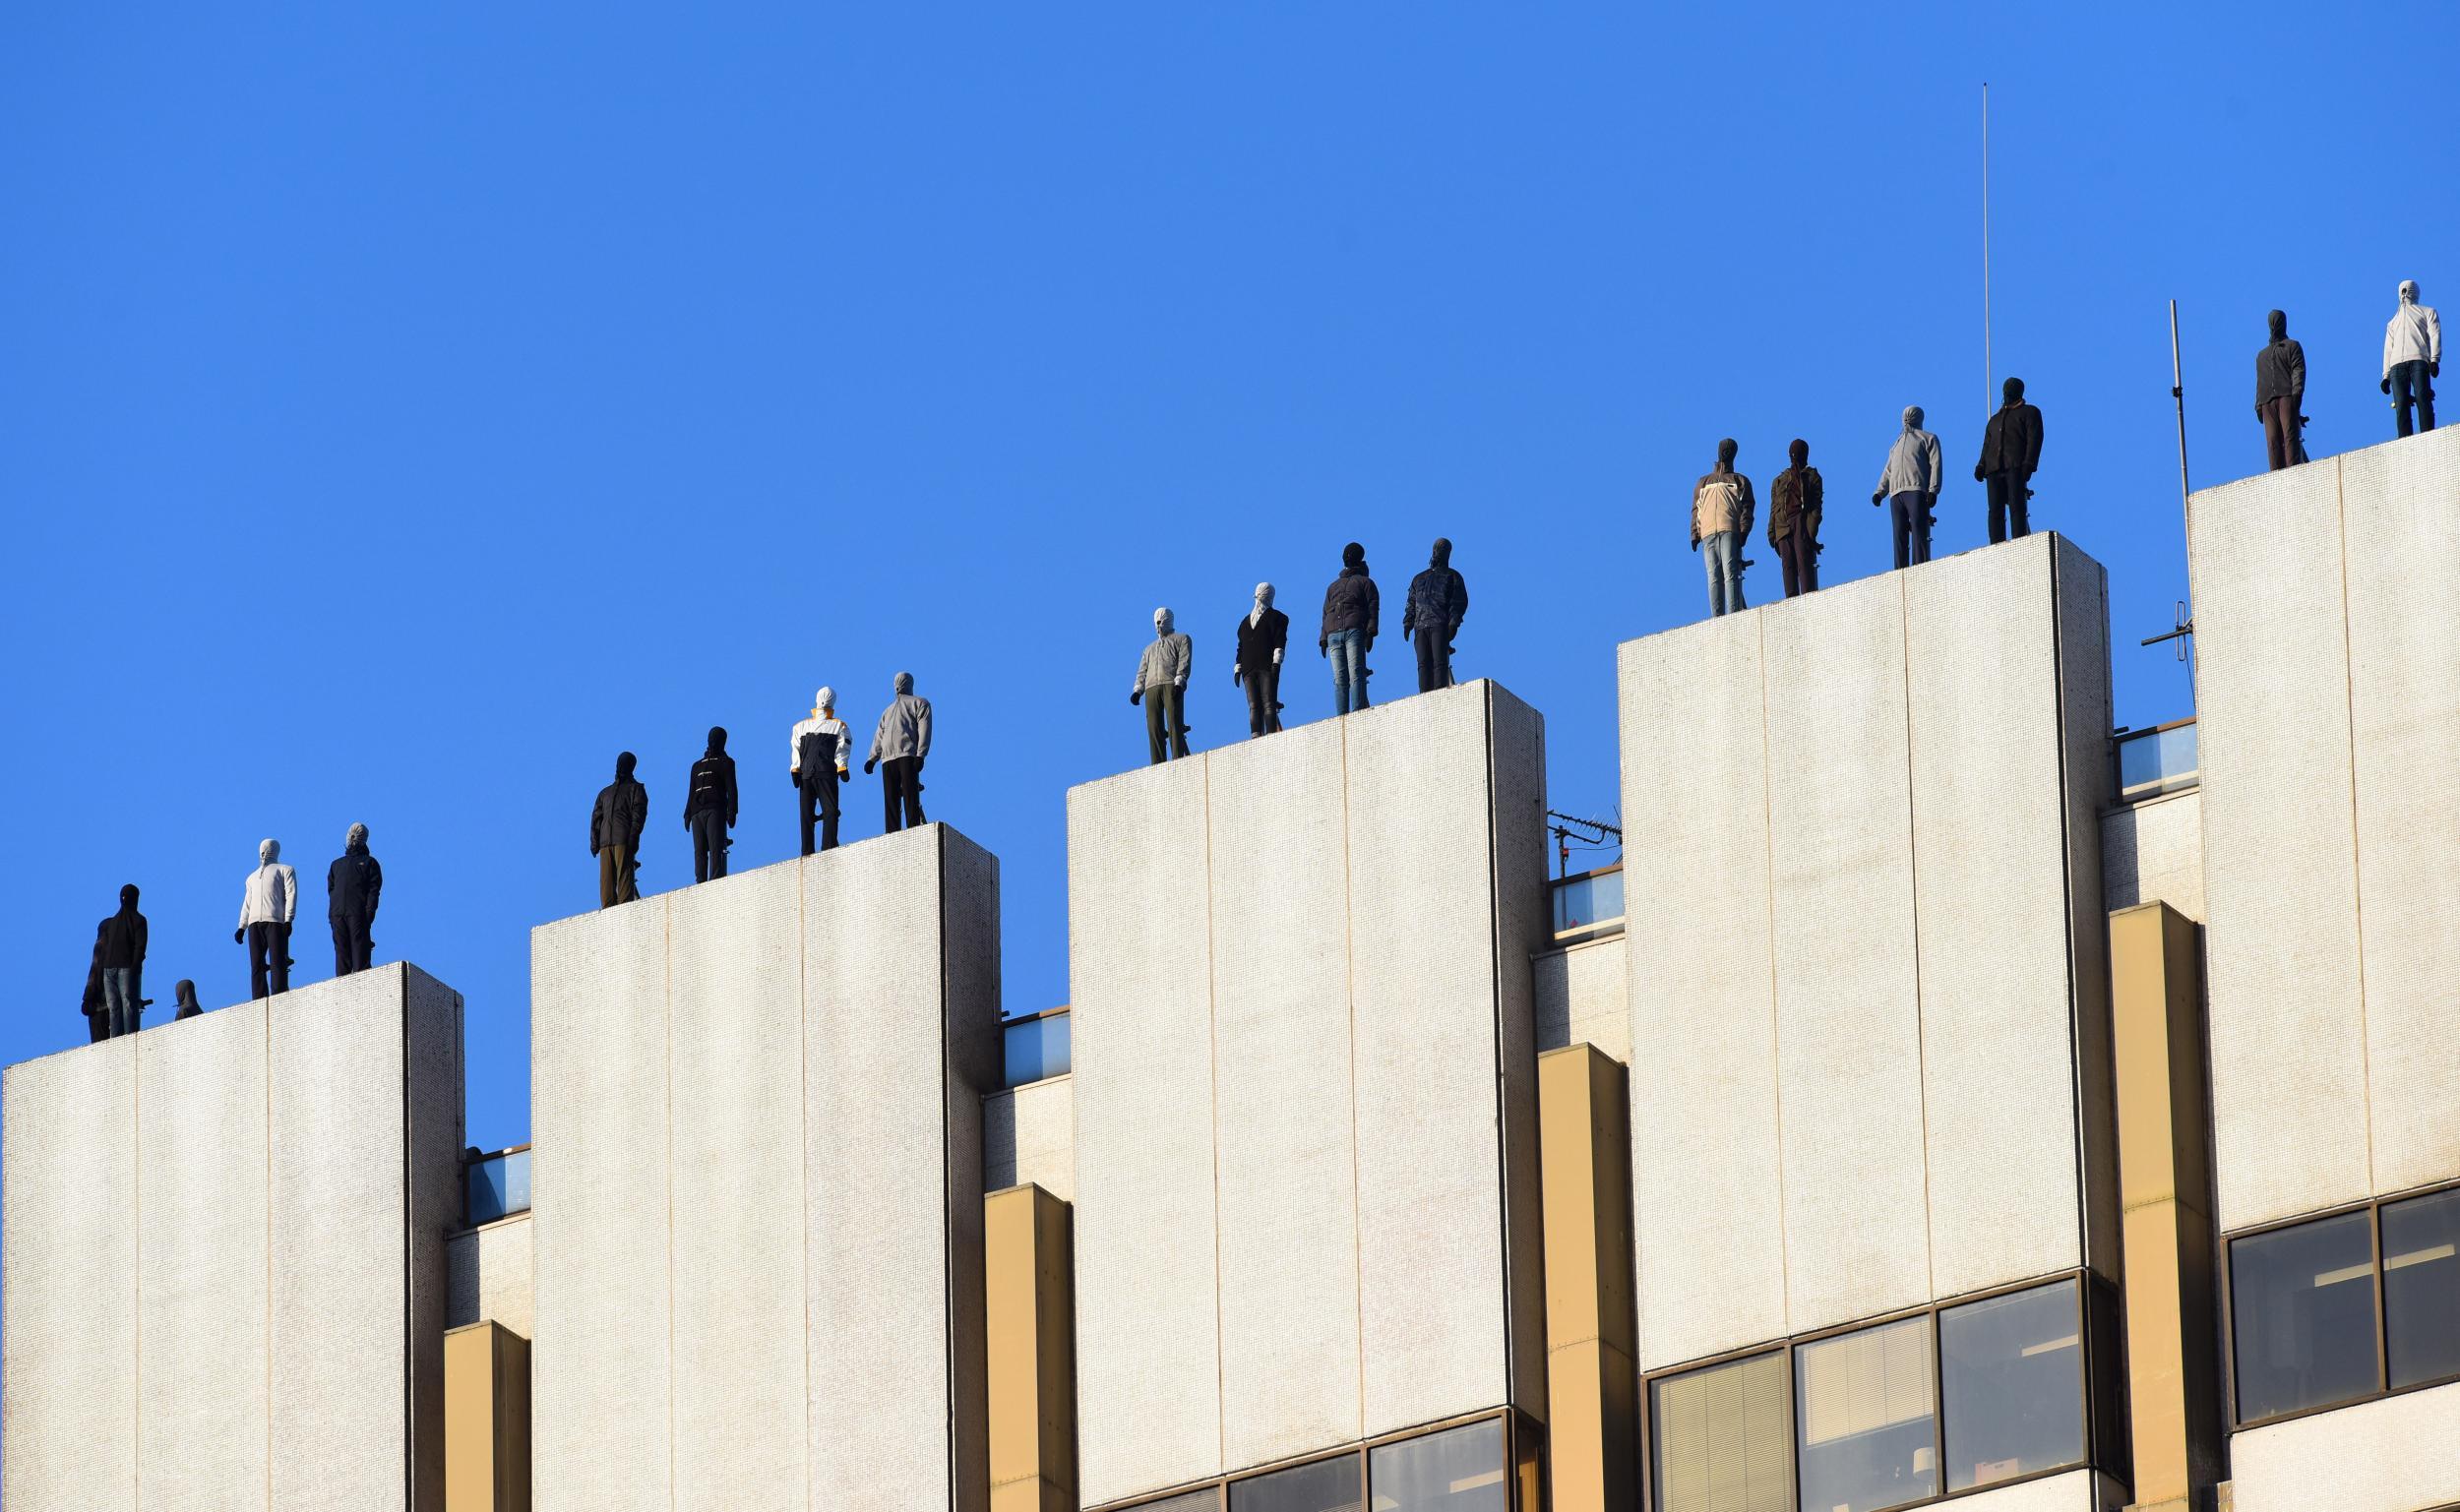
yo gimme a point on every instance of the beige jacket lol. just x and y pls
(1721, 500)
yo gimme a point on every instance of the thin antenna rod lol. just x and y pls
(1987, 405)
(2187, 497)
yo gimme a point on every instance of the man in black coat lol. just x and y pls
(1263, 634)
(119, 952)
(1439, 600)
(2011, 448)
(709, 808)
(2280, 393)
(352, 886)
(616, 823)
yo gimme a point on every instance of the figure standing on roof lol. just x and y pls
(353, 885)
(709, 807)
(1909, 485)
(1352, 611)
(617, 822)
(2011, 448)
(1262, 635)
(1795, 498)
(1439, 600)
(268, 904)
(119, 950)
(1722, 507)
(184, 1003)
(819, 747)
(902, 743)
(2280, 393)
(1161, 685)
(2412, 358)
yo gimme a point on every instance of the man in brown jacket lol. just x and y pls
(1722, 507)
(1794, 501)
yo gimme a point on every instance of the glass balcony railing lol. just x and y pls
(1035, 1049)
(495, 1185)
(1588, 904)
(2154, 761)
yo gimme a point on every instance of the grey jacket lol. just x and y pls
(1912, 465)
(904, 729)
(1167, 659)
(2414, 335)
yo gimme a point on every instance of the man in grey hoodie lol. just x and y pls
(901, 744)
(1909, 485)
(1161, 685)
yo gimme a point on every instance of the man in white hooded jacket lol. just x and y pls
(2412, 358)
(265, 908)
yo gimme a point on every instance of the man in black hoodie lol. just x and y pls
(119, 952)
(616, 823)
(709, 809)
(352, 886)
(2011, 448)
(2280, 390)
(1439, 600)
(1350, 612)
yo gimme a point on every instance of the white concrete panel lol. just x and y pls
(489, 1276)
(1148, 1340)
(2153, 852)
(1028, 1138)
(1706, 1191)
(735, 1023)
(1524, 912)
(2287, 1045)
(1424, 1000)
(601, 1379)
(2086, 716)
(1286, 1146)
(1849, 1042)
(2392, 1455)
(2401, 527)
(71, 1213)
(1991, 913)
(969, 957)
(1584, 997)
(2074, 1492)
(202, 1259)
(435, 1093)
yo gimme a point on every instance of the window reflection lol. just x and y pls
(2302, 1315)
(2422, 1287)
(1206, 1500)
(1721, 1443)
(1460, 1470)
(1327, 1486)
(2012, 1376)
(1862, 1405)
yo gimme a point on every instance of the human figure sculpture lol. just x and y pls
(1264, 633)
(820, 747)
(353, 884)
(184, 1000)
(2412, 358)
(1161, 685)
(1351, 612)
(267, 906)
(709, 805)
(901, 744)
(1439, 600)
(616, 823)
(2280, 394)
(2011, 448)
(119, 948)
(1794, 502)
(1909, 485)
(1722, 507)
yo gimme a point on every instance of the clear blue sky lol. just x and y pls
(407, 408)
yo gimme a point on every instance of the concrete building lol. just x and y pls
(1946, 1098)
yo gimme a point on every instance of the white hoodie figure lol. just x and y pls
(266, 907)
(2412, 358)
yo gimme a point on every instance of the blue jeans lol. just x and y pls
(2412, 385)
(1723, 552)
(1348, 650)
(120, 1000)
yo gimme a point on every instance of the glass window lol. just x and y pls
(1327, 1486)
(2302, 1315)
(2422, 1287)
(1863, 1405)
(1460, 1470)
(1206, 1500)
(1721, 1443)
(2011, 1385)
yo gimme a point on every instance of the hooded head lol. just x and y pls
(1443, 556)
(2408, 291)
(824, 700)
(1913, 418)
(128, 898)
(624, 764)
(1727, 450)
(268, 852)
(718, 740)
(903, 684)
(355, 839)
(1798, 452)
(1354, 555)
(1161, 622)
(1264, 596)
(2012, 390)
(2278, 321)
(184, 995)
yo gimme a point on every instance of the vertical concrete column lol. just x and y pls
(1031, 1331)
(486, 1420)
(2166, 1182)
(1584, 1147)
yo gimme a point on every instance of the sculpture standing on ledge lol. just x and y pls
(1794, 501)
(2413, 357)
(352, 886)
(184, 999)
(1439, 600)
(1909, 485)
(1351, 611)
(709, 807)
(1722, 507)
(2280, 393)
(616, 823)
(819, 746)
(1161, 685)
(2011, 448)
(901, 744)
(1262, 635)
(119, 952)
(266, 907)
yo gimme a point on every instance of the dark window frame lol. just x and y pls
(2372, 1207)
(1519, 1434)
(2096, 1403)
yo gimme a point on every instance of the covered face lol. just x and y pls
(2278, 324)
(1913, 418)
(1353, 555)
(903, 684)
(1799, 452)
(716, 739)
(267, 851)
(827, 697)
(128, 898)
(624, 764)
(1443, 556)
(1727, 450)
(1161, 622)
(2408, 291)
(355, 839)
(1263, 594)
(2012, 390)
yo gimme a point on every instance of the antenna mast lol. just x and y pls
(1986, 247)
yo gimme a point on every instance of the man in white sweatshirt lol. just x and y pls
(2413, 357)
(266, 909)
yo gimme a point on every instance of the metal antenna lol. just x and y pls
(2186, 629)
(1986, 405)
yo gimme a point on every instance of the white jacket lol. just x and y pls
(2414, 335)
(271, 896)
(1167, 659)
(832, 725)
(1913, 465)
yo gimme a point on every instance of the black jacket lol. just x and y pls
(2280, 373)
(2012, 441)
(1258, 642)
(1351, 603)
(120, 940)
(1437, 597)
(712, 787)
(353, 883)
(622, 811)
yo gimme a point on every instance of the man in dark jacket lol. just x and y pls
(1794, 504)
(616, 823)
(119, 950)
(2280, 392)
(352, 886)
(2011, 448)
(1264, 633)
(1439, 600)
(1351, 613)
(709, 808)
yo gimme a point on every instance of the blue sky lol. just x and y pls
(408, 408)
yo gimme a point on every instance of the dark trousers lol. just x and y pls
(123, 997)
(2010, 501)
(1435, 659)
(2282, 446)
(353, 943)
(1911, 514)
(1263, 699)
(98, 1025)
(618, 875)
(2412, 384)
(818, 801)
(708, 846)
(1798, 555)
(1165, 724)
(900, 787)
(269, 959)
